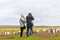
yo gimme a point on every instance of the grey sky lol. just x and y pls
(46, 12)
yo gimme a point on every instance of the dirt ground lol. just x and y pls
(41, 35)
(35, 34)
(45, 35)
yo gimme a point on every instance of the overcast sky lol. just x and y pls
(45, 12)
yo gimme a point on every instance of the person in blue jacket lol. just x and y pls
(29, 22)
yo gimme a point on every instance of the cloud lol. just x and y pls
(45, 12)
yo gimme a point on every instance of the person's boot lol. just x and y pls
(27, 34)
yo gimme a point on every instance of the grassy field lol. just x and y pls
(29, 38)
(20, 38)
(16, 29)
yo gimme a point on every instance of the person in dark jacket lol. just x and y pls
(29, 22)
